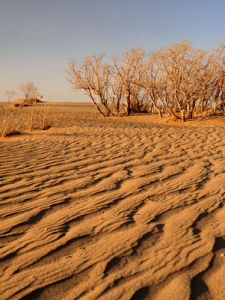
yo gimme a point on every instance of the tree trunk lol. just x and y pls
(128, 105)
(182, 115)
(118, 107)
(155, 107)
(95, 104)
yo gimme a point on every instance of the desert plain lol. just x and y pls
(113, 208)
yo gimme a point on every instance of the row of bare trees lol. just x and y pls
(29, 93)
(178, 80)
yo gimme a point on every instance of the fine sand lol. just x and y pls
(118, 208)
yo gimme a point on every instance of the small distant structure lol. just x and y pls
(20, 103)
(26, 102)
(32, 101)
(35, 100)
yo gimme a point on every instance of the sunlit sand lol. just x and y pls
(116, 208)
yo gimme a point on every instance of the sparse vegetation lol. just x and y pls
(10, 123)
(180, 81)
(30, 93)
(10, 94)
(31, 118)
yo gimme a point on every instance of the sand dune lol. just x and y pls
(113, 209)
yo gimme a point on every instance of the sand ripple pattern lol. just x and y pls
(113, 210)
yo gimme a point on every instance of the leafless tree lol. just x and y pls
(217, 82)
(178, 80)
(10, 94)
(117, 93)
(186, 78)
(150, 82)
(93, 77)
(30, 92)
(128, 71)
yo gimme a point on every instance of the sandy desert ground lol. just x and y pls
(122, 208)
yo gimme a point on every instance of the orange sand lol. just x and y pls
(113, 209)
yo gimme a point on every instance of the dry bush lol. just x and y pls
(93, 77)
(128, 71)
(41, 118)
(17, 121)
(110, 86)
(46, 118)
(10, 123)
(30, 92)
(188, 79)
(178, 80)
(10, 94)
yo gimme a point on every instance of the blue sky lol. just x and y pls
(37, 37)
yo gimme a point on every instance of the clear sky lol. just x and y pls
(37, 37)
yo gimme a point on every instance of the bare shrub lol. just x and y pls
(30, 93)
(29, 119)
(46, 118)
(93, 77)
(128, 70)
(41, 118)
(10, 94)
(178, 80)
(10, 123)
(110, 86)
(182, 80)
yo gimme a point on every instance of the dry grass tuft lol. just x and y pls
(10, 123)
(27, 119)
(41, 118)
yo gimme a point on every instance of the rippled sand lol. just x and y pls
(113, 209)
